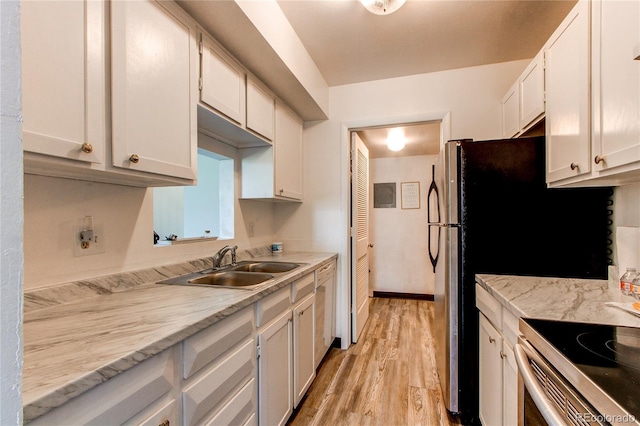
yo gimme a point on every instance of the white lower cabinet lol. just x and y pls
(304, 370)
(275, 394)
(498, 373)
(490, 371)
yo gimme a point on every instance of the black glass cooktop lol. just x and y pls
(608, 355)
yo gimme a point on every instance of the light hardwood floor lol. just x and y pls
(388, 378)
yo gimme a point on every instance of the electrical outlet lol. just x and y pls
(95, 246)
(251, 230)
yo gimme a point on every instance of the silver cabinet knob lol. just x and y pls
(598, 159)
(574, 166)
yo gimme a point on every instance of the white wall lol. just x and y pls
(626, 208)
(54, 206)
(10, 217)
(399, 256)
(471, 95)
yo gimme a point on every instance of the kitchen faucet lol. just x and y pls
(217, 258)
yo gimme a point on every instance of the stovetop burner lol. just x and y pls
(612, 349)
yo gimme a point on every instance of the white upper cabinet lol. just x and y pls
(152, 98)
(261, 106)
(567, 80)
(523, 105)
(288, 154)
(616, 73)
(222, 82)
(63, 79)
(153, 107)
(610, 153)
(509, 108)
(234, 107)
(531, 91)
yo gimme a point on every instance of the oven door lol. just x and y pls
(547, 398)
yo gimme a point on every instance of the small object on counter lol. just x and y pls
(276, 248)
(631, 307)
(635, 287)
(626, 281)
(156, 237)
(171, 237)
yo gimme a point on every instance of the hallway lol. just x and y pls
(388, 378)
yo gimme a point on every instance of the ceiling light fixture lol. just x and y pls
(395, 139)
(382, 7)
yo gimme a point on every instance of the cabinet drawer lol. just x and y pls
(166, 413)
(120, 398)
(489, 306)
(302, 287)
(207, 345)
(272, 305)
(325, 273)
(207, 392)
(240, 409)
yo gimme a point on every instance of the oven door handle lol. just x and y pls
(536, 391)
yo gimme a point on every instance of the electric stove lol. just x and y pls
(602, 363)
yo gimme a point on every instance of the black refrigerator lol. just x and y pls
(490, 211)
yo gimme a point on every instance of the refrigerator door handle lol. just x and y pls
(433, 188)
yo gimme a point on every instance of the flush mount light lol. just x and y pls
(382, 7)
(395, 139)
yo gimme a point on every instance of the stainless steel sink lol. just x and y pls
(244, 275)
(267, 267)
(232, 279)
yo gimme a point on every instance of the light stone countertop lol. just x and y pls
(565, 299)
(72, 345)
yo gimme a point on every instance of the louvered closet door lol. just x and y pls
(360, 236)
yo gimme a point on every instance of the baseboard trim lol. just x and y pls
(392, 295)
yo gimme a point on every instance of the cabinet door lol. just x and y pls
(567, 81)
(154, 84)
(288, 154)
(490, 381)
(260, 109)
(531, 88)
(617, 71)
(509, 107)
(275, 395)
(223, 83)
(509, 386)
(63, 79)
(304, 369)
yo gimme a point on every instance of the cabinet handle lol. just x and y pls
(503, 355)
(491, 339)
(574, 166)
(281, 190)
(370, 245)
(87, 148)
(598, 159)
(165, 423)
(134, 158)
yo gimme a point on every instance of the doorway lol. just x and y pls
(397, 181)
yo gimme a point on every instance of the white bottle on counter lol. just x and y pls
(626, 281)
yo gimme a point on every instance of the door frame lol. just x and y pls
(343, 310)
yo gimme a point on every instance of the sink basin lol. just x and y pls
(266, 267)
(232, 279)
(244, 275)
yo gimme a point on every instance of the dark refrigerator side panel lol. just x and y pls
(511, 224)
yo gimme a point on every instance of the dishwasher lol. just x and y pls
(325, 310)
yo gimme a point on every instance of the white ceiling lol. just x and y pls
(420, 139)
(351, 45)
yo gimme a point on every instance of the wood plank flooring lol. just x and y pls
(388, 378)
